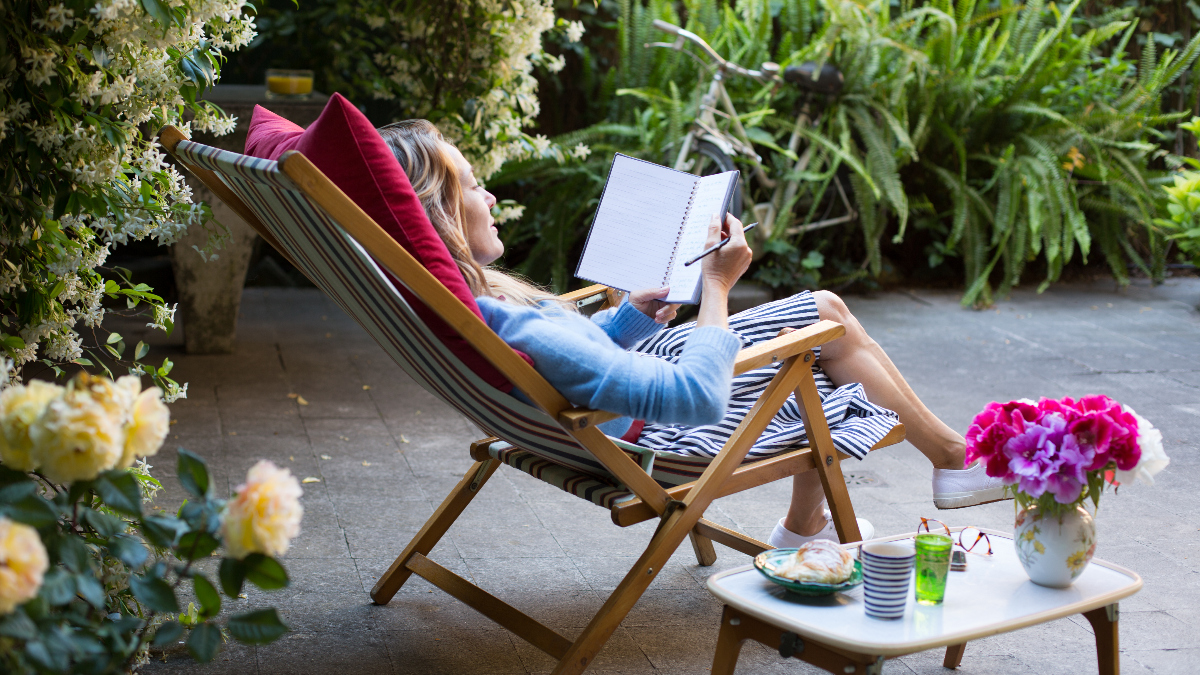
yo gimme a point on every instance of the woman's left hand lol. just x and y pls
(649, 302)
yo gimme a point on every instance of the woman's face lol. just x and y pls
(482, 236)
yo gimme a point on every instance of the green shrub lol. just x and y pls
(1003, 133)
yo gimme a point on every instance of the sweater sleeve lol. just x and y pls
(590, 369)
(626, 324)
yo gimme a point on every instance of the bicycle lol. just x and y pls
(709, 148)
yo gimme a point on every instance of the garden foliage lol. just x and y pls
(84, 86)
(997, 133)
(466, 65)
(90, 577)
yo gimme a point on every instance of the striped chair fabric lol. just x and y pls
(533, 441)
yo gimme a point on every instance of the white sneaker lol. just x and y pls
(966, 487)
(782, 537)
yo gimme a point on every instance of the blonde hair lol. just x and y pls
(422, 153)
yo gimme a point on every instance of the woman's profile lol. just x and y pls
(675, 386)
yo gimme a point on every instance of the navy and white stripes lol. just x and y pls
(855, 423)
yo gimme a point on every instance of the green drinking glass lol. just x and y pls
(933, 565)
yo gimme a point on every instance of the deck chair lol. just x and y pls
(315, 225)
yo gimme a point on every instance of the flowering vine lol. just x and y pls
(83, 84)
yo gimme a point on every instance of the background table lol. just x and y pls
(993, 596)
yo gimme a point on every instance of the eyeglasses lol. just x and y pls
(970, 534)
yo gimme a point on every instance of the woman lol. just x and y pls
(684, 393)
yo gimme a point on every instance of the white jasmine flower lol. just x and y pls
(574, 31)
(581, 151)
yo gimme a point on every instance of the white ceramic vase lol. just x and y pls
(1055, 549)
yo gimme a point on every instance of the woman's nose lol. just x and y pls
(490, 199)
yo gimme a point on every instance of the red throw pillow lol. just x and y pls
(345, 146)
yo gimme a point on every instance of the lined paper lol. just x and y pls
(636, 225)
(710, 199)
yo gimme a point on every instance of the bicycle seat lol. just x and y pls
(828, 81)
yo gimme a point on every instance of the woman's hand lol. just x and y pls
(649, 302)
(722, 269)
(726, 265)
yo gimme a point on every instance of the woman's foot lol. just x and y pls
(785, 538)
(956, 489)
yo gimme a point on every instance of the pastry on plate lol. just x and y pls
(819, 561)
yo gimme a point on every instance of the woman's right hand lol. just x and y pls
(724, 267)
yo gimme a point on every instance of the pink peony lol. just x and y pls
(993, 428)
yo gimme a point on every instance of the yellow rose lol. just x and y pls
(82, 433)
(20, 406)
(23, 563)
(265, 514)
(150, 421)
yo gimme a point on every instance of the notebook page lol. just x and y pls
(711, 193)
(636, 225)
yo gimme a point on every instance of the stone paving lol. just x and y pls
(386, 453)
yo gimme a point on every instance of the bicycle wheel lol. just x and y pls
(707, 159)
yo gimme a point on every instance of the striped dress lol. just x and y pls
(855, 423)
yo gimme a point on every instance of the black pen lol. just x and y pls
(717, 245)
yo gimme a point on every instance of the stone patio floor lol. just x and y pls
(386, 453)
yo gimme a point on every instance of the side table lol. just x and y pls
(210, 293)
(994, 595)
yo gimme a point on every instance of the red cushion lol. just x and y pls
(345, 146)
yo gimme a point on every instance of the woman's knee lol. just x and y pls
(831, 307)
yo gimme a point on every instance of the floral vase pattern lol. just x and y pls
(1054, 550)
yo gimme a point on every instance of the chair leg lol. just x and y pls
(665, 541)
(706, 555)
(433, 530)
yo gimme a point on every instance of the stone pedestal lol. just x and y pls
(210, 293)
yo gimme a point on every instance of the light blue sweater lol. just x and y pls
(587, 361)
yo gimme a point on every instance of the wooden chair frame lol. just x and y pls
(681, 509)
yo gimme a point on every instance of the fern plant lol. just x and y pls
(1006, 133)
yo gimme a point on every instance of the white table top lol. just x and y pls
(993, 596)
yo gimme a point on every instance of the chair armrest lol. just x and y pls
(586, 296)
(581, 418)
(788, 344)
(761, 354)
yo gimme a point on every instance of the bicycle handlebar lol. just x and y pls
(712, 53)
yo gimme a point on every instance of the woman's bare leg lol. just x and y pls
(805, 514)
(855, 357)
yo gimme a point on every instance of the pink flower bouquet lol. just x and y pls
(1056, 453)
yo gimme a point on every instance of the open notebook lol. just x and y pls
(651, 220)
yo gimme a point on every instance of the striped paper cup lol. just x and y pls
(887, 575)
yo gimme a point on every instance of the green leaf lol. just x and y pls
(113, 337)
(257, 628)
(128, 550)
(141, 351)
(154, 593)
(265, 572)
(206, 593)
(167, 634)
(195, 545)
(69, 550)
(58, 587)
(193, 473)
(104, 524)
(120, 491)
(18, 625)
(162, 531)
(232, 575)
(202, 643)
(90, 589)
(30, 508)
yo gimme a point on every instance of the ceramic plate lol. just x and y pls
(768, 561)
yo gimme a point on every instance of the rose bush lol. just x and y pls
(89, 579)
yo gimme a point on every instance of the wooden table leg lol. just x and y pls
(1104, 623)
(729, 643)
(954, 654)
(736, 628)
